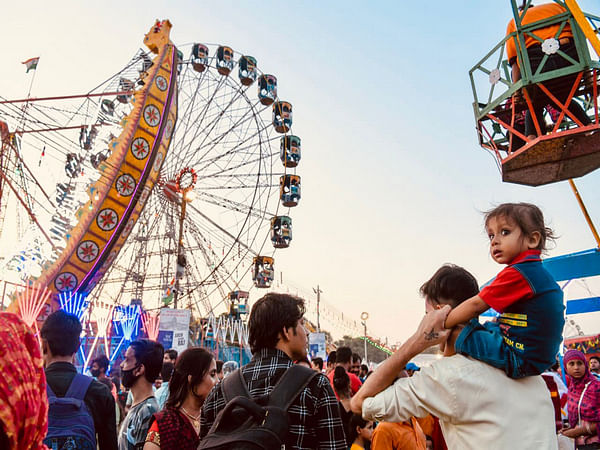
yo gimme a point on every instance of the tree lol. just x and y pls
(358, 346)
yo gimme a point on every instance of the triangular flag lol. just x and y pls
(31, 63)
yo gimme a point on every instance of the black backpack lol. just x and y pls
(246, 425)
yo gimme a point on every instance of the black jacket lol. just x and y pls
(98, 399)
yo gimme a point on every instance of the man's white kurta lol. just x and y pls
(478, 405)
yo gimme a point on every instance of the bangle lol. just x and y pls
(587, 428)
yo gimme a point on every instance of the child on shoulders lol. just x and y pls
(526, 338)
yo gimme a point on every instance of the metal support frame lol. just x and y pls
(488, 111)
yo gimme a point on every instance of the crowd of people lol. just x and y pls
(497, 385)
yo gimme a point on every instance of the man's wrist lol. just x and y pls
(413, 346)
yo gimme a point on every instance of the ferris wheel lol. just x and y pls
(211, 209)
(220, 189)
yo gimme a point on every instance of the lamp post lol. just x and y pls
(364, 316)
(318, 291)
(185, 184)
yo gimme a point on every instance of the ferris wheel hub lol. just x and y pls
(171, 190)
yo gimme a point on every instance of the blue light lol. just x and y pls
(127, 318)
(73, 303)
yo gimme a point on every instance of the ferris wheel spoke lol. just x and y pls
(239, 148)
(194, 96)
(246, 209)
(209, 102)
(240, 186)
(210, 259)
(219, 138)
(219, 276)
(208, 128)
(245, 164)
(223, 233)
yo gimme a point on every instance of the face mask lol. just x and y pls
(95, 372)
(128, 378)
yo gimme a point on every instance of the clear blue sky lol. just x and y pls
(393, 179)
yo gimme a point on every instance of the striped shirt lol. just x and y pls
(315, 421)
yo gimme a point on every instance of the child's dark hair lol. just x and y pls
(355, 421)
(529, 218)
(451, 284)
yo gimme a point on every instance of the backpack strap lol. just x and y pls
(290, 385)
(234, 385)
(49, 392)
(79, 386)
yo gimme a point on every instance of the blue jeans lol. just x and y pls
(485, 343)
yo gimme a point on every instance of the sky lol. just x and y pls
(393, 180)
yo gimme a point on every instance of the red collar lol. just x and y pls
(527, 255)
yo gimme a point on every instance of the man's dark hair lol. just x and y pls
(166, 371)
(364, 367)
(150, 354)
(172, 354)
(270, 315)
(102, 362)
(61, 331)
(220, 365)
(344, 355)
(332, 358)
(356, 358)
(318, 361)
(595, 357)
(194, 362)
(451, 284)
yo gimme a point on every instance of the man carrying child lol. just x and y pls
(477, 404)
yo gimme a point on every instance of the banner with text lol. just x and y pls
(173, 328)
(316, 345)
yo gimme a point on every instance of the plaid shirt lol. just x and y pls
(315, 421)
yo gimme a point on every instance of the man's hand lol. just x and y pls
(431, 330)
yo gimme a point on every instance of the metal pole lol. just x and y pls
(179, 249)
(318, 291)
(66, 97)
(365, 325)
(584, 24)
(364, 316)
(31, 215)
(585, 212)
